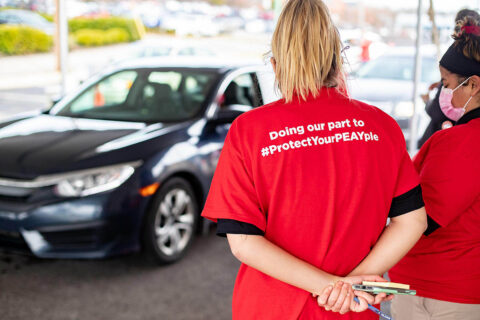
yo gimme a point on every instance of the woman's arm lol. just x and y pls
(261, 254)
(401, 234)
(396, 240)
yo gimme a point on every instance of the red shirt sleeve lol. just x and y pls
(449, 178)
(232, 194)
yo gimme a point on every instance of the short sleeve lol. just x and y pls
(407, 177)
(449, 178)
(232, 193)
(407, 202)
(227, 226)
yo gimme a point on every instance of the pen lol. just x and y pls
(373, 309)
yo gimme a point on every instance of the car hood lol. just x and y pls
(49, 144)
(374, 90)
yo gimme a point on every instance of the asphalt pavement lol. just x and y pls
(128, 287)
(14, 101)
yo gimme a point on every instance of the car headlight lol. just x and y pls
(404, 109)
(88, 182)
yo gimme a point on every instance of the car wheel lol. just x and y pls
(171, 222)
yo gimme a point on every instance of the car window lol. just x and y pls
(174, 96)
(243, 90)
(145, 96)
(399, 68)
(172, 78)
(109, 92)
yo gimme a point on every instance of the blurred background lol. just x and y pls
(105, 32)
(107, 100)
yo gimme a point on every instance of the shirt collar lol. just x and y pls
(474, 114)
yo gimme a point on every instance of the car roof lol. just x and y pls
(214, 63)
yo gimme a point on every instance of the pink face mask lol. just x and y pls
(445, 101)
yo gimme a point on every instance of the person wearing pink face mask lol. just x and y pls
(439, 119)
(446, 97)
(444, 266)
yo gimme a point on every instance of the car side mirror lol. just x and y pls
(229, 113)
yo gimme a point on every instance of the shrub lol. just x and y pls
(128, 25)
(17, 39)
(116, 35)
(89, 37)
(92, 37)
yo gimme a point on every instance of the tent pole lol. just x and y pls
(418, 68)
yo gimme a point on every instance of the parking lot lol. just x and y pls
(128, 287)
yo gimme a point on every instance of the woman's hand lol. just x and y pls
(339, 297)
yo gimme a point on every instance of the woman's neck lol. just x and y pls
(474, 105)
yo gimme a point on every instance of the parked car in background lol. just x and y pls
(27, 18)
(387, 83)
(191, 24)
(152, 48)
(125, 162)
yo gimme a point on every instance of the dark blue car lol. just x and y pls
(123, 163)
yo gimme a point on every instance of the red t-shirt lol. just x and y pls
(318, 178)
(446, 264)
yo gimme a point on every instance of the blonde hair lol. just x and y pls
(306, 47)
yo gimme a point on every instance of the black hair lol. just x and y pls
(467, 37)
(466, 13)
(463, 56)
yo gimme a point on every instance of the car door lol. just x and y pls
(242, 91)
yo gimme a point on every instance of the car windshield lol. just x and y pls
(144, 96)
(399, 68)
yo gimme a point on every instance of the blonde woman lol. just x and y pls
(304, 185)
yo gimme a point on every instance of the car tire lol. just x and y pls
(171, 222)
